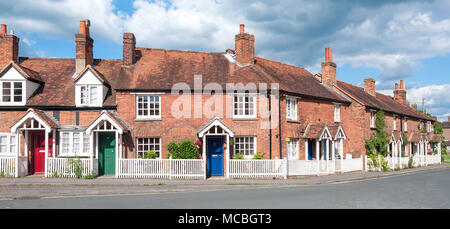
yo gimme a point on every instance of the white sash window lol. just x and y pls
(337, 113)
(74, 144)
(244, 106)
(245, 146)
(148, 106)
(292, 149)
(145, 145)
(291, 109)
(8, 144)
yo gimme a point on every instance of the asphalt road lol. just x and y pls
(429, 189)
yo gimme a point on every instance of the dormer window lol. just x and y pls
(17, 84)
(12, 92)
(90, 88)
(89, 95)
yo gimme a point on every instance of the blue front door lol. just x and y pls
(214, 148)
(310, 149)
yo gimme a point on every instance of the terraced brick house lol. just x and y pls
(109, 110)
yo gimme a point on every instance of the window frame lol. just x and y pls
(11, 91)
(8, 144)
(251, 154)
(159, 152)
(372, 119)
(157, 117)
(81, 144)
(394, 120)
(294, 111)
(405, 124)
(337, 112)
(244, 116)
(289, 146)
(88, 96)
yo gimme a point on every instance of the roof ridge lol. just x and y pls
(178, 50)
(291, 65)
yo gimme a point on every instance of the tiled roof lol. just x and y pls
(414, 137)
(434, 137)
(161, 68)
(59, 87)
(446, 125)
(27, 73)
(386, 103)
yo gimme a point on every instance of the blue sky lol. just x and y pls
(385, 40)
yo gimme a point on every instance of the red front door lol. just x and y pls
(38, 140)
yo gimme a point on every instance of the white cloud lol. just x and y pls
(436, 99)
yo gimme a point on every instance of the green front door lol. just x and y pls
(106, 153)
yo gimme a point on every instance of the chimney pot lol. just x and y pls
(396, 86)
(402, 85)
(82, 27)
(3, 29)
(242, 28)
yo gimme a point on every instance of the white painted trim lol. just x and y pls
(216, 123)
(340, 129)
(25, 118)
(255, 102)
(323, 131)
(104, 117)
(148, 117)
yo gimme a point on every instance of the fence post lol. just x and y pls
(170, 168)
(285, 168)
(365, 163)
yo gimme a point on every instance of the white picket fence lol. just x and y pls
(302, 167)
(403, 162)
(62, 167)
(351, 165)
(8, 166)
(161, 168)
(257, 168)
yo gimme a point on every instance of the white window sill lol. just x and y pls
(148, 119)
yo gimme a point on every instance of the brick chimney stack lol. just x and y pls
(84, 47)
(369, 86)
(414, 106)
(400, 94)
(9, 47)
(129, 49)
(244, 47)
(328, 69)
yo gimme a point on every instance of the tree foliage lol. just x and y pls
(378, 143)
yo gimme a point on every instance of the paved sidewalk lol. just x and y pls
(23, 188)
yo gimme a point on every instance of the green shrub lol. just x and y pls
(411, 162)
(89, 176)
(258, 156)
(149, 155)
(238, 156)
(77, 166)
(184, 150)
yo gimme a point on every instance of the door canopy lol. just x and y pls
(214, 127)
(35, 119)
(107, 121)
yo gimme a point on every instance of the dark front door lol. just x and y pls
(310, 149)
(106, 153)
(38, 149)
(214, 150)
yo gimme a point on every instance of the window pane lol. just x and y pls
(94, 95)
(12, 144)
(148, 144)
(3, 144)
(6, 91)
